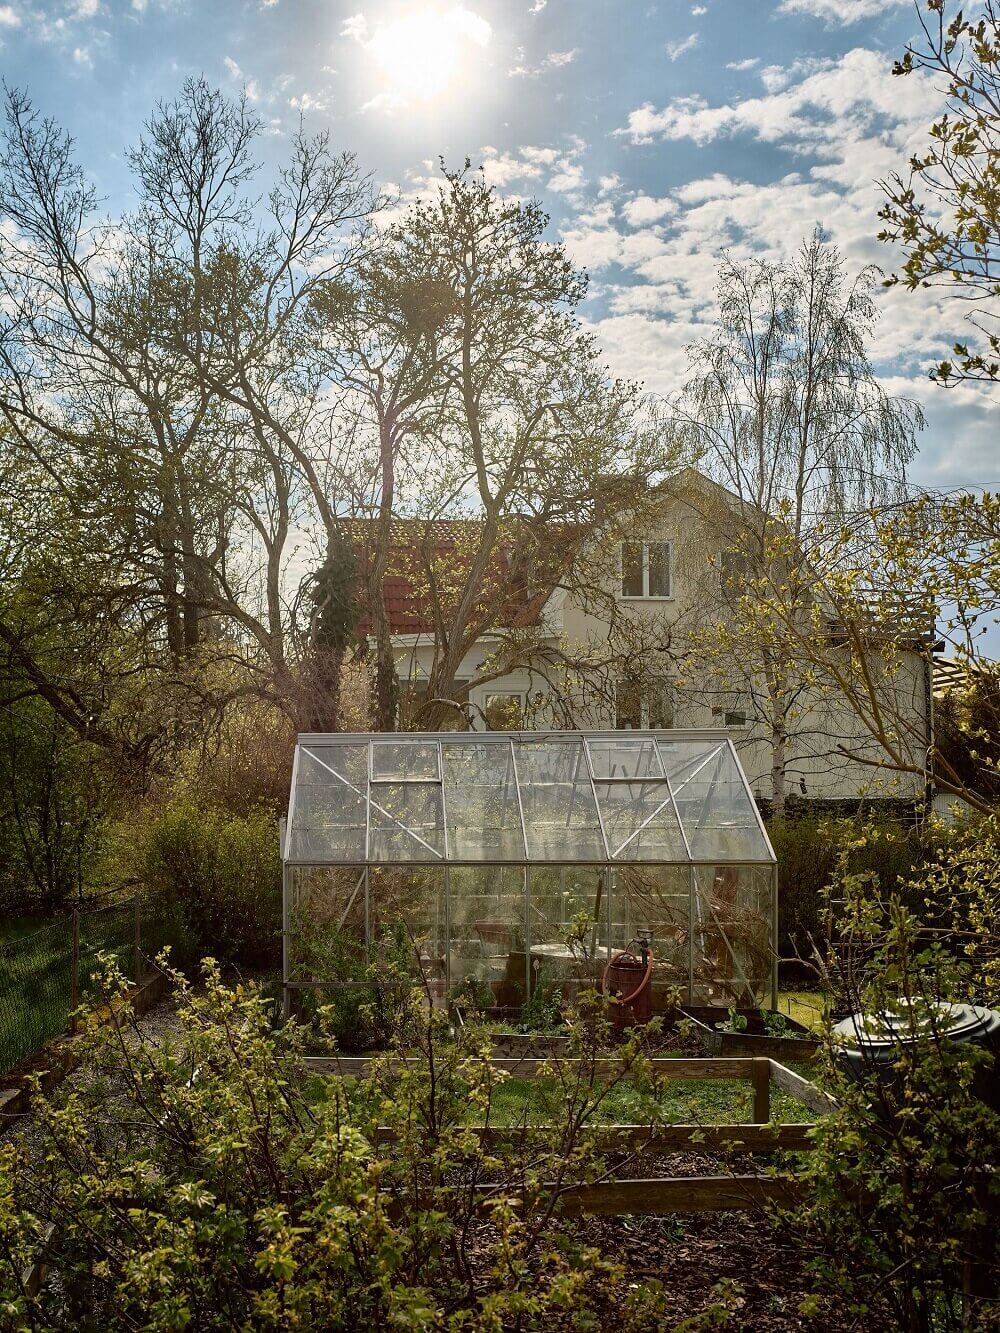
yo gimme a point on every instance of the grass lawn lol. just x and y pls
(672, 1102)
(535, 1101)
(806, 1007)
(16, 927)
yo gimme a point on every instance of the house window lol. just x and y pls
(646, 703)
(646, 569)
(729, 717)
(734, 569)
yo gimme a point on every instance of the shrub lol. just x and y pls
(808, 849)
(218, 1189)
(364, 1012)
(216, 884)
(905, 1190)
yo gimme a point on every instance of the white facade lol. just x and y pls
(670, 582)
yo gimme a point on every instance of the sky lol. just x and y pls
(656, 135)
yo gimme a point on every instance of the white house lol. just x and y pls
(660, 583)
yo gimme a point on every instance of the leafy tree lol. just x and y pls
(123, 344)
(499, 426)
(902, 1184)
(333, 595)
(944, 211)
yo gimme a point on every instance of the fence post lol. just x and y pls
(137, 944)
(75, 974)
(761, 1090)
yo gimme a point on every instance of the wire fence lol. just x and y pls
(46, 974)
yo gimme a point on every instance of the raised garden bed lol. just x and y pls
(657, 1194)
(793, 1042)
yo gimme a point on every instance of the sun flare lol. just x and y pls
(420, 54)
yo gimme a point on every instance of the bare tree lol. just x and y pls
(789, 418)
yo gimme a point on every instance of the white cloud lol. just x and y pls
(608, 184)
(741, 65)
(698, 10)
(677, 49)
(839, 99)
(840, 11)
(139, 6)
(305, 102)
(554, 60)
(85, 9)
(538, 6)
(9, 17)
(355, 27)
(655, 260)
(642, 210)
(233, 68)
(568, 178)
(82, 57)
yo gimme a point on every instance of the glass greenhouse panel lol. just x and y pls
(717, 813)
(731, 933)
(487, 959)
(327, 911)
(328, 813)
(408, 922)
(406, 822)
(562, 961)
(621, 757)
(560, 811)
(653, 903)
(405, 761)
(640, 822)
(480, 792)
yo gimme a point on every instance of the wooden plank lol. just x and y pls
(646, 1139)
(815, 1099)
(357, 1066)
(679, 1194)
(761, 1091)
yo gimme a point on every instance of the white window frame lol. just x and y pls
(646, 595)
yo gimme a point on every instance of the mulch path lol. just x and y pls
(692, 1253)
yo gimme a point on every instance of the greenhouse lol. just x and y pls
(511, 861)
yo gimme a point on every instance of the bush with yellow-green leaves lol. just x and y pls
(205, 1181)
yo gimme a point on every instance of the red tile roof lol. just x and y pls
(422, 551)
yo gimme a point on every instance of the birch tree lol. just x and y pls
(788, 416)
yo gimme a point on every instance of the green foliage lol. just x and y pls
(216, 1191)
(50, 807)
(944, 210)
(776, 1025)
(364, 1012)
(733, 1022)
(543, 1009)
(215, 879)
(808, 849)
(903, 1183)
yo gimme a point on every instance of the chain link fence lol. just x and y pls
(47, 973)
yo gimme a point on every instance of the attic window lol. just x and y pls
(730, 717)
(646, 569)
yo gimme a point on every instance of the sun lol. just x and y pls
(421, 53)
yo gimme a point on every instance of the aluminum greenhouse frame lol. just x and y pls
(468, 838)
